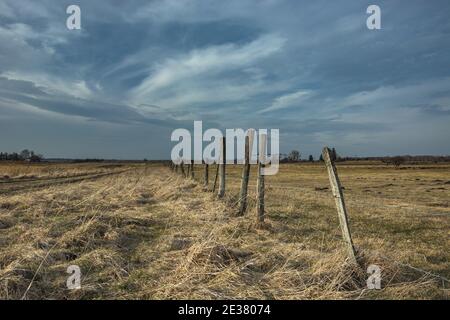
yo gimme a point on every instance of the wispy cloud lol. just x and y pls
(289, 100)
(183, 73)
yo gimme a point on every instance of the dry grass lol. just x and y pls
(151, 234)
(21, 170)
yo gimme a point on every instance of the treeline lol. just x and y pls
(295, 156)
(398, 160)
(24, 155)
(87, 160)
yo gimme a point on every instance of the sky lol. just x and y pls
(137, 70)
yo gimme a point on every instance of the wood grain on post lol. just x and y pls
(245, 177)
(215, 178)
(260, 182)
(206, 175)
(222, 160)
(340, 203)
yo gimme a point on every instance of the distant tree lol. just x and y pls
(35, 157)
(333, 155)
(14, 156)
(25, 154)
(398, 161)
(311, 158)
(294, 156)
(321, 157)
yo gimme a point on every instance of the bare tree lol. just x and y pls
(25, 154)
(294, 156)
(397, 161)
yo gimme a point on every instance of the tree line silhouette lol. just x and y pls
(24, 155)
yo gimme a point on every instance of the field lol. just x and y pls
(141, 231)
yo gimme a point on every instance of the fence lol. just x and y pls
(242, 181)
(242, 203)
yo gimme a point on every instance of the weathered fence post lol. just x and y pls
(182, 168)
(222, 161)
(206, 175)
(260, 183)
(340, 203)
(192, 169)
(215, 178)
(245, 173)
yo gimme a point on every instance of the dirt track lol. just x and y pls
(17, 185)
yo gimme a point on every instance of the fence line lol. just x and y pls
(336, 189)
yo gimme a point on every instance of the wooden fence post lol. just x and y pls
(215, 178)
(182, 168)
(260, 182)
(340, 203)
(222, 161)
(245, 175)
(206, 175)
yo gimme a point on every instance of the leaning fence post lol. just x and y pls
(340, 203)
(222, 161)
(260, 182)
(245, 174)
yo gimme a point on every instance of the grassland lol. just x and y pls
(148, 233)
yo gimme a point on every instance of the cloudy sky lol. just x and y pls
(139, 69)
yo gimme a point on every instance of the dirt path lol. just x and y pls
(31, 184)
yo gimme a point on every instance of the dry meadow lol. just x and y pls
(141, 231)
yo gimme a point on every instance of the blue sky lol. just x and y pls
(139, 69)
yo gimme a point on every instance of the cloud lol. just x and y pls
(434, 91)
(27, 93)
(203, 65)
(289, 100)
